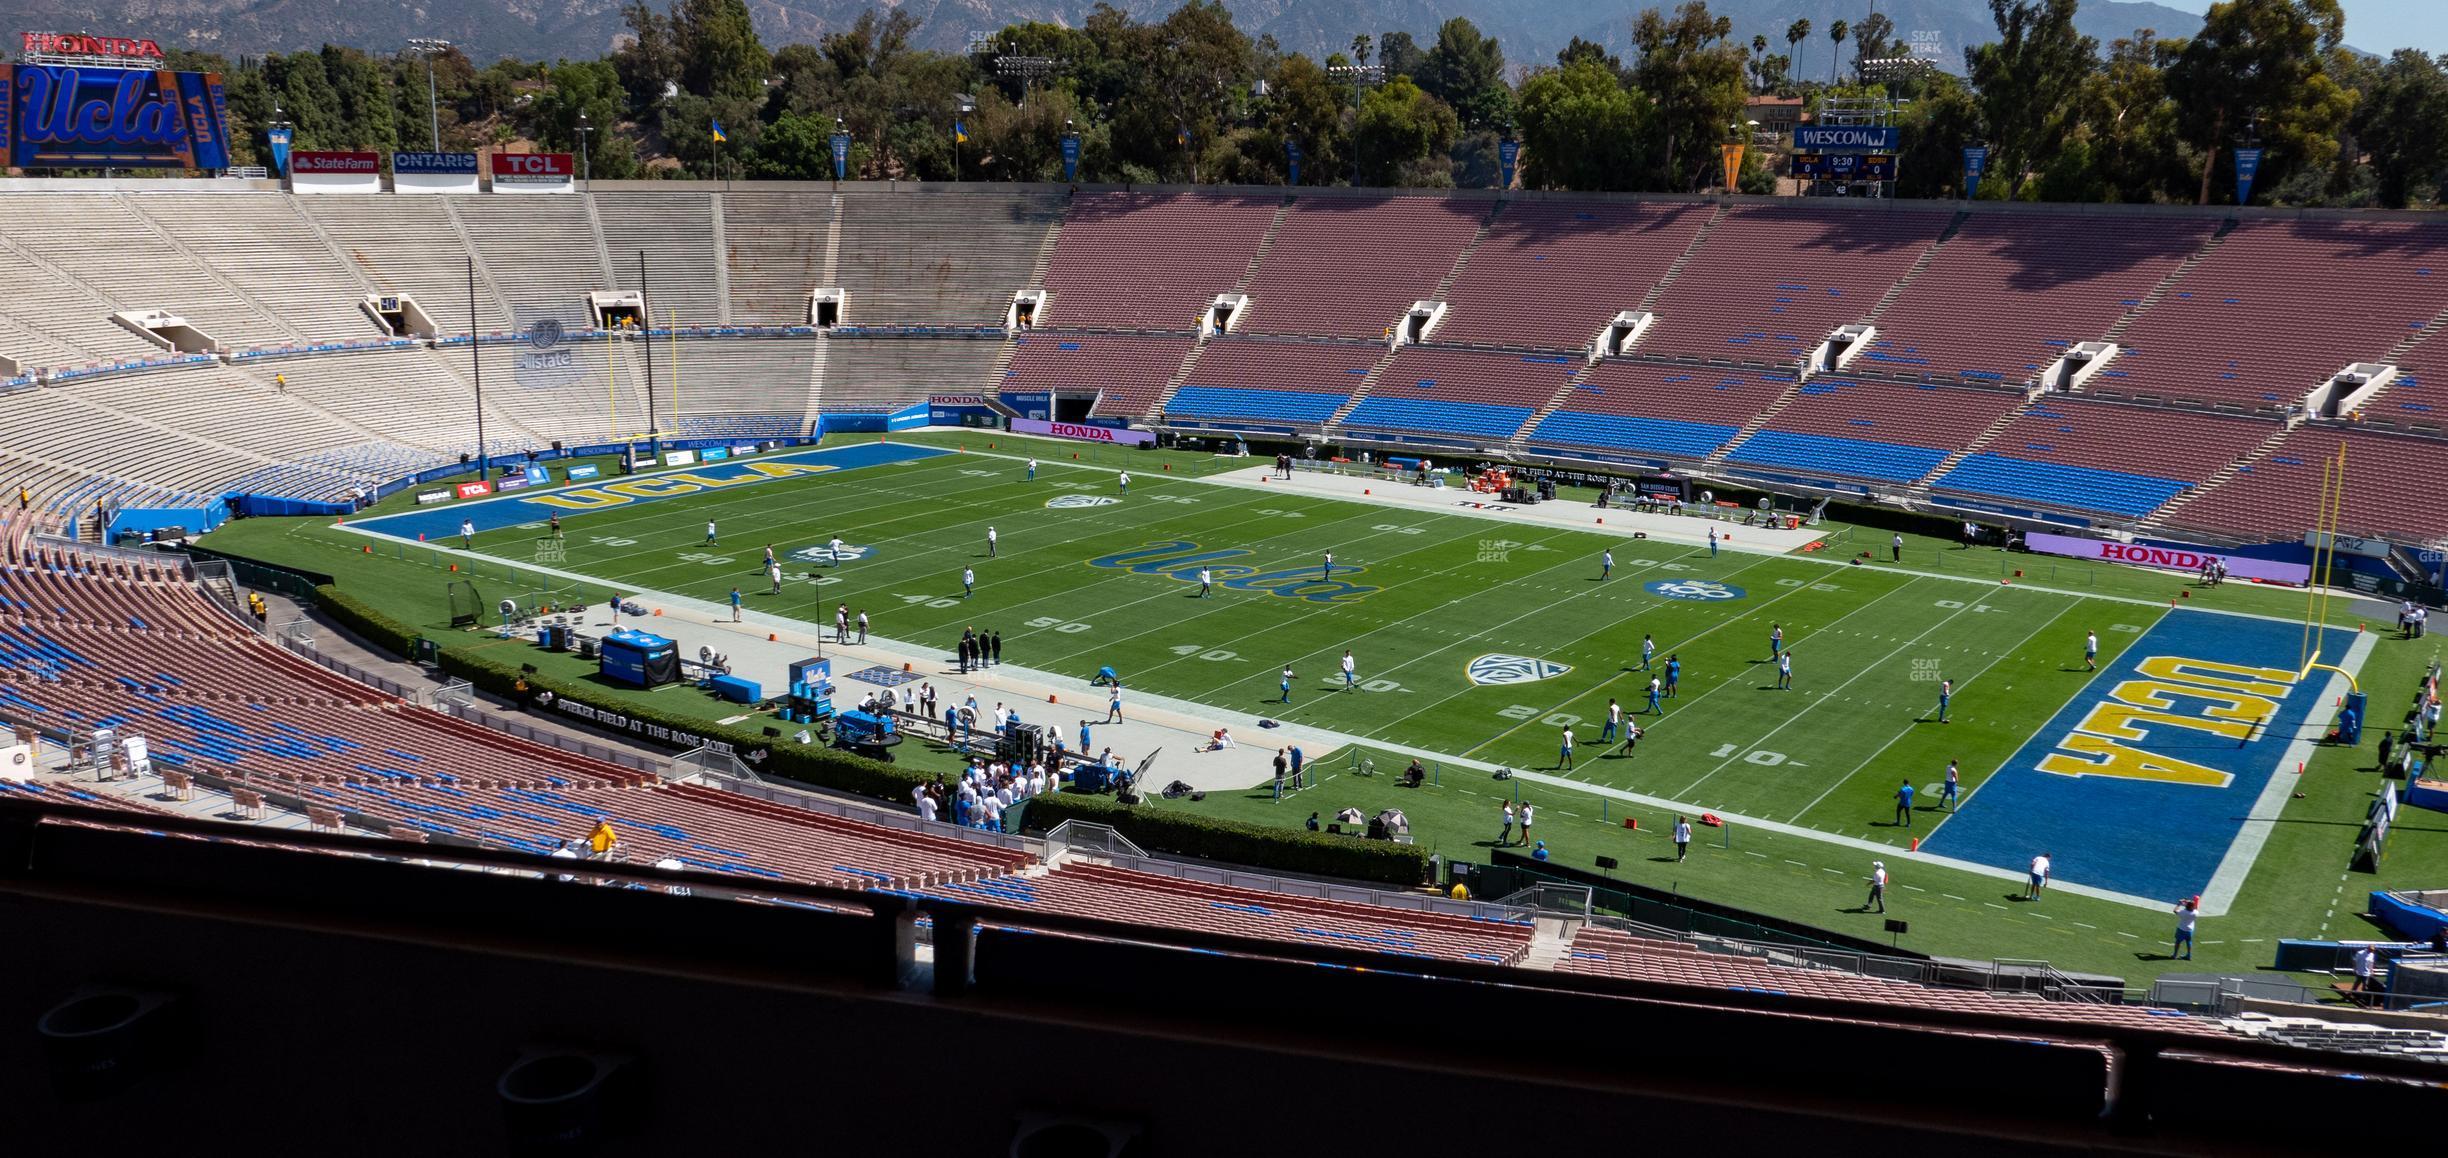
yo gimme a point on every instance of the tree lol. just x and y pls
(2262, 65)
(1360, 47)
(1465, 69)
(1874, 39)
(2402, 124)
(1692, 73)
(2027, 79)
(1759, 61)
(720, 55)
(1399, 129)
(1795, 34)
(1590, 51)
(649, 63)
(1304, 103)
(1836, 39)
(2127, 126)
(1399, 55)
(594, 89)
(1580, 127)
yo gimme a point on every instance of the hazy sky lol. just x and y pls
(2380, 26)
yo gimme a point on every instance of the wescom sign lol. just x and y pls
(2167, 558)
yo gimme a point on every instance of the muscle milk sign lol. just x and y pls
(1083, 433)
(2188, 559)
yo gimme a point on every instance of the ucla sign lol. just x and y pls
(1182, 560)
(57, 117)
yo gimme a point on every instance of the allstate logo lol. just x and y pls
(1513, 669)
(1075, 502)
(544, 334)
(821, 553)
(1702, 590)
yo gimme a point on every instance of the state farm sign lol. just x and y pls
(1114, 435)
(2167, 558)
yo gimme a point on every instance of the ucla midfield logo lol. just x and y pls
(1182, 559)
(1513, 669)
(823, 553)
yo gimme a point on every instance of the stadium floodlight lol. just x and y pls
(1030, 70)
(1890, 67)
(430, 47)
(586, 172)
(1360, 76)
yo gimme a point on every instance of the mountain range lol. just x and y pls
(1530, 30)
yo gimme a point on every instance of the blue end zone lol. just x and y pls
(442, 522)
(2154, 810)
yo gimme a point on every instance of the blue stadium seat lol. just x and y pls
(2058, 485)
(1624, 432)
(1846, 457)
(1409, 415)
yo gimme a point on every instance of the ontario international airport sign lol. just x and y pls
(2171, 557)
(83, 116)
(1084, 433)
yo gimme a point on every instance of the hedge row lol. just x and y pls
(1168, 831)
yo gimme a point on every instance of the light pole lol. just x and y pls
(1030, 70)
(431, 47)
(1359, 75)
(586, 171)
(963, 104)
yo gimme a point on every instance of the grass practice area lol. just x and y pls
(1477, 643)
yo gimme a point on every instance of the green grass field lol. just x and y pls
(1426, 594)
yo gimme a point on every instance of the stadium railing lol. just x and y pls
(304, 648)
(870, 814)
(1502, 910)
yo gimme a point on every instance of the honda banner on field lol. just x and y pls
(2167, 558)
(1084, 432)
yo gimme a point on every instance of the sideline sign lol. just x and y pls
(1084, 433)
(2167, 558)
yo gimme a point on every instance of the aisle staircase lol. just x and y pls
(1928, 256)
(1691, 250)
(2249, 458)
(2217, 238)
(1978, 444)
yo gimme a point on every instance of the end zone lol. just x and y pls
(2144, 783)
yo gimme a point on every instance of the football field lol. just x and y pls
(1485, 640)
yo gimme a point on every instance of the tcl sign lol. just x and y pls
(79, 44)
(533, 166)
(474, 490)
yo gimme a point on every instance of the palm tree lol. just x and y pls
(1759, 58)
(1836, 34)
(1795, 34)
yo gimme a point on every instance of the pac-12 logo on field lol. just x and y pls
(1703, 590)
(1074, 502)
(820, 553)
(1513, 669)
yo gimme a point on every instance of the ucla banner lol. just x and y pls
(2143, 782)
(2248, 166)
(1292, 158)
(841, 156)
(58, 117)
(1508, 162)
(1071, 155)
(1732, 155)
(279, 137)
(1976, 162)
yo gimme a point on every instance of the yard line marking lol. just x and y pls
(1995, 905)
(1873, 666)
(1908, 728)
(2086, 926)
(1953, 897)
(2123, 933)
(1795, 863)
